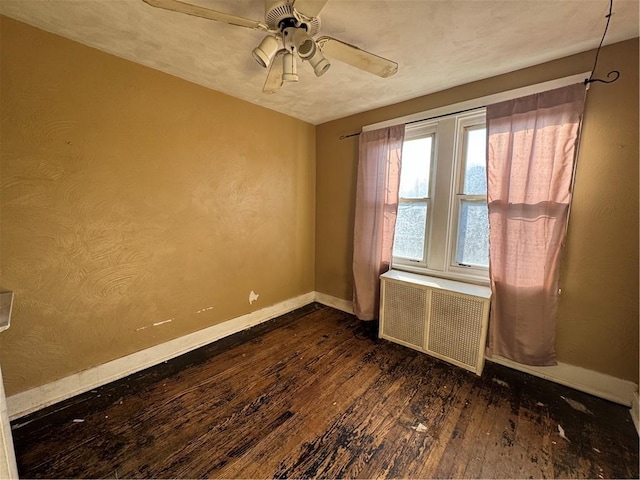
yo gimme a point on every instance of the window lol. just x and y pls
(442, 226)
(414, 204)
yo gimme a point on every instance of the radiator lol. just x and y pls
(443, 318)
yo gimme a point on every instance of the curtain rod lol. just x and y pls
(587, 82)
(342, 137)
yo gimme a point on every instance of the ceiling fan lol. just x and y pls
(290, 26)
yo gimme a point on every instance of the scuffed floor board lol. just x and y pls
(320, 396)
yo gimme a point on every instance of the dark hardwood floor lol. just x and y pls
(316, 394)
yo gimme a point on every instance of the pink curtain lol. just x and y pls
(531, 151)
(379, 159)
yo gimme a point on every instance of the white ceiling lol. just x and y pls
(437, 43)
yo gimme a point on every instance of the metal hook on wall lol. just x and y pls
(614, 73)
(595, 62)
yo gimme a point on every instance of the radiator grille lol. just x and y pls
(404, 311)
(455, 326)
(444, 318)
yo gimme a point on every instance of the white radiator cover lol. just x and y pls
(443, 318)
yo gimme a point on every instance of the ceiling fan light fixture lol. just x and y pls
(319, 63)
(289, 68)
(307, 48)
(265, 52)
(304, 44)
(290, 28)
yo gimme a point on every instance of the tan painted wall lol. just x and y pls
(598, 317)
(130, 197)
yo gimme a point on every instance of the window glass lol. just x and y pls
(416, 162)
(473, 234)
(410, 231)
(413, 207)
(472, 248)
(475, 171)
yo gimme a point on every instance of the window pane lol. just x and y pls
(473, 234)
(475, 162)
(410, 229)
(416, 163)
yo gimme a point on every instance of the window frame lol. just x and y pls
(415, 132)
(464, 123)
(468, 105)
(446, 180)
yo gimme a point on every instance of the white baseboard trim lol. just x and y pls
(29, 401)
(334, 302)
(23, 403)
(635, 411)
(588, 381)
(8, 465)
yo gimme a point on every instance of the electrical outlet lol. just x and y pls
(6, 302)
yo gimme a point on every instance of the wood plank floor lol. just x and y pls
(316, 394)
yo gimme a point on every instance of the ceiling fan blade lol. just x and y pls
(357, 57)
(309, 8)
(274, 78)
(197, 11)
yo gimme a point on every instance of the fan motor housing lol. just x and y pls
(279, 14)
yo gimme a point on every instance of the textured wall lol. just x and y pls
(598, 316)
(130, 197)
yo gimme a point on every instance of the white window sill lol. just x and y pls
(460, 277)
